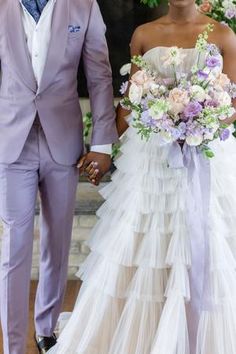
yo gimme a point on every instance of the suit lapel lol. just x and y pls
(57, 45)
(19, 52)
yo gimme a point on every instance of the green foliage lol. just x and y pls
(217, 9)
(115, 150)
(234, 133)
(207, 152)
(151, 3)
(88, 123)
(87, 120)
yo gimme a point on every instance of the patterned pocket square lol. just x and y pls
(73, 29)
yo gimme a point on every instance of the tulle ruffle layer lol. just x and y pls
(136, 279)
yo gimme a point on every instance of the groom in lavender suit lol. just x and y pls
(41, 141)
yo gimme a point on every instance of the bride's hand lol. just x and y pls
(95, 165)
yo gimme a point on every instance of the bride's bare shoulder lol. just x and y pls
(223, 35)
(148, 30)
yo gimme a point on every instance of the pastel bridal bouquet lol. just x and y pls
(188, 108)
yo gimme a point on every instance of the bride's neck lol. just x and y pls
(183, 15)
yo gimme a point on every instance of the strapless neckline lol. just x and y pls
(168, 47)
(165, 47)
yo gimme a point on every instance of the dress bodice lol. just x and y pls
(156, 58)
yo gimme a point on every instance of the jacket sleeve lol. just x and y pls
(99, 79)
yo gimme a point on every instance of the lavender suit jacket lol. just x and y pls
(56, 98)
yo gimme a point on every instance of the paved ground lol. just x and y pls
(72, 291)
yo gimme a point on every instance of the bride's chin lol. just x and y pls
(181, 3)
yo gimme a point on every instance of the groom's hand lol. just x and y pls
(95, 165)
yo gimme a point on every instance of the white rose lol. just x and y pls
(209, 136)
(125, 69)
(167, 138)
(223, 98)
(135, 93)
(155, 89)
(194, 140)
(198, 93)
(173, 56)
(227, 3)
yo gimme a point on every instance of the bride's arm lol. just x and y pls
(135, 49)
(229, 56)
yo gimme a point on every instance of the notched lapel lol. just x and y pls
(19, 52)
(57, 45)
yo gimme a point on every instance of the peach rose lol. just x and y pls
(194, 140)
(140, 78)
(205, 7)
(222, 80)
(178, 100)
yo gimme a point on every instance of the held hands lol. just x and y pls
(94, 165)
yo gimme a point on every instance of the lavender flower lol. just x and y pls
(176, 134)
(224, 134)
(192, 109)
(211, 103)
(232, 90)
(182, 128)
(202, 75)
(124, 87)
(147, 120)
(213, 61)
(213, 49)
(230, 13)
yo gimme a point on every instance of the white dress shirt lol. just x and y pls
(38, 37)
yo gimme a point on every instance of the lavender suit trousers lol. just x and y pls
(19, 184)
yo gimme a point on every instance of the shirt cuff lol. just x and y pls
(103, 149)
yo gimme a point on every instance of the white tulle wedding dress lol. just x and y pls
(154, 284)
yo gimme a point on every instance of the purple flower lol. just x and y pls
(213, 61)
(211, 103)
(202, 75)
(182, 126)
(230, 13)
(176, 134)
(224, 134)
(147, 120)
(124, 87)
(232, 90)
(213, 49)
(165, 123)
(192, 109)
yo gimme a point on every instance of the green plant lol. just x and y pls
(88, 123)
(151, 3)
(221, 10)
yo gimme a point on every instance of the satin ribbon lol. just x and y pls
(197, 218)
